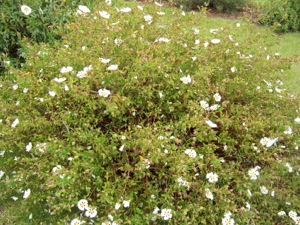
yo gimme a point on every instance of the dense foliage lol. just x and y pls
(282, 15)
(149, 117)
(218, 5)
(38, 26)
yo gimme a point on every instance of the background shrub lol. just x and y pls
(39, 26)
(64, 141)
(218, 5)
(282, 16)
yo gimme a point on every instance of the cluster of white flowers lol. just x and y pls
(90, 212)
(126, 204)
(294, 216)
(289, 167)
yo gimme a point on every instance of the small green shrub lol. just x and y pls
(219, 5)
(281, 15)
(152, 118)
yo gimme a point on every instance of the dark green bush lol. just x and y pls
(39, 26)
(218, 5)
(281, 15)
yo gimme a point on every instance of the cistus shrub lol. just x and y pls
(281, 15)
(143, 115)
(34, 20)
(218, 5)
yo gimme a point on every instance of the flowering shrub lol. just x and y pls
(142, 115)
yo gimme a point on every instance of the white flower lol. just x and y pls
(15, 87)
(25, 90)
(121, 149)
(214, 107)
(197, 42)
(273, 193)
(233, 69)
(104, 14)
(81, 74)
(196, 30)
(156, 210)
(267, 141)
(292, 214)
(126, 9)
(15, 123)
(1, 173)
(82, 9)
(161, 13)
(158, 4)
(66, 69)
(26, 9)
(117, 206)
(82, 204)
(118, 41)
(211, 124)
(104, 60)
(253, 174)
(91, 212)
(238, 24)
(126, 203)
(26, 193)
(14, 198)
(59, 80)
(104, 92)
(30, 216)
(140, 7)
(206, 43)
(162, 39)
(191, 153)
(66, 87)
(217, 97)
(106, 223)
(76, 222)
(148, 18)
(212, 177)
(28, 147)
(227, 221)
(110, 217)
(108, 2)
(186, 80)
(113, 67)
(215, 41)
(297, 120)
(264, 190)
(288, 130)
(166, 214)
(52, 93)
(56, 168)
(281, 213)
(208, 194)
(204, 104)
(289, 167)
